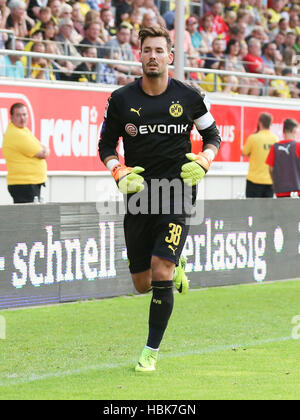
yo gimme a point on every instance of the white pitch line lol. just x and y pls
(109, 366)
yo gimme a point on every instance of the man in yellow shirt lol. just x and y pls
(257, 146)
(25, 158)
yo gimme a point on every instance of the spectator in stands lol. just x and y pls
(229, 19)
(135, 44)
(3, 35)
(5, 12)
(279, 41)
(109, 75)
(43, 18)
(255, 63)
(36, 36)
(220, 83)
(123, 10)
(259, 34)
(257, 146)
(66, 13)
(269, 55)
(217, 54)
(135, 19)
(84, 7)
(107, 18)
(55, 6)
(86, 71)
(279, 87)
(50, 31)
(207, 32)
(40, 67)
(219, 25)
(290, 40)
(11, 65)
(237, 32)
(191, 55)
(150, 7)
(92, 31)
(283, 26)
(294, 24)
(25, 158)
(94, 5)
(57, 70)
(119, 48)
(18, 21)
(64, 39)
(245, 16)
(289, 59)
(66, 47)
(78, 20)
(148, 20)
(297, 45)
(274, 13)
(232, 55)
(34, 8)
(284, 161)
(192, 26)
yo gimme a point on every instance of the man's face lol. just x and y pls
(271, 49)
(93, 31)
(20, 117)
(155, 56)
(91, 53)
(123, 35)
(106, 17)
(218, 46)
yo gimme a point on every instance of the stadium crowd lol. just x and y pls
(245, 36)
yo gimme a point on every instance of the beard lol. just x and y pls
(151, 73)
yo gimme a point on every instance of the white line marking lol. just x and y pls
(14, 380)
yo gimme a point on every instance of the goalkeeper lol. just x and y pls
(155, 116)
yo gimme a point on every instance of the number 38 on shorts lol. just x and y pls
(173, 239)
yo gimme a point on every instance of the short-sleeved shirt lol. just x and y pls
(271, 156)
(19, 148)
(257, 146)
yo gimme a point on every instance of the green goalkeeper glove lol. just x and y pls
(128, 179)
(193, 172)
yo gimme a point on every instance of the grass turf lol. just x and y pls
(222, 343)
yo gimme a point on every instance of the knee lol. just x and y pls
(143, 289)
(162, 269)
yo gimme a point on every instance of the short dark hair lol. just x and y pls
(14, 106)
(265, 119)
(154, 32)
(289, 125)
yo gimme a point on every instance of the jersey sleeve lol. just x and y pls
(110, 131)
(28, 145)
(205, 122)
(298, 149)
(247, 146)
(271, 157)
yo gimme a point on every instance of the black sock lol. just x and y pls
(160, 311)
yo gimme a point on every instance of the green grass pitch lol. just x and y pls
(236, 342)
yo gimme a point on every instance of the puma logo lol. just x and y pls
(172, 249)
(137, 111)
(285, 148)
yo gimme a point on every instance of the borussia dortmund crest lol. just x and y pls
(176, 109)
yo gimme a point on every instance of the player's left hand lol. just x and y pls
(193, 172)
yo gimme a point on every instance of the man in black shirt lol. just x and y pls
(155, 115)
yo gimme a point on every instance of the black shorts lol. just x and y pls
(258, 190)
(25, 193)
(153, 235)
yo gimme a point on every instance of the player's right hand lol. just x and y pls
(128, 179)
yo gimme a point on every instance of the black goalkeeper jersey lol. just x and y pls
(156, 129)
